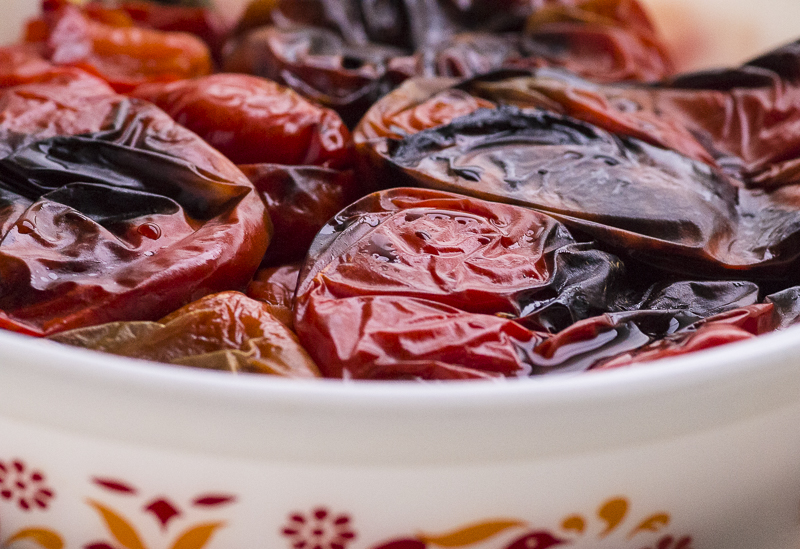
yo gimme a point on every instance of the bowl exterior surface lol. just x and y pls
(730, 488)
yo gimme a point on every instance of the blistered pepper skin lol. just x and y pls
(441, 286)
(299, 200)
(346, 55)
(226, 331)
(275, 286)
(416, 273)
(124, 56)
(729, 327)
(129, 220)
(598, 222)
(206, 23)
(252, 120)
(691, 208)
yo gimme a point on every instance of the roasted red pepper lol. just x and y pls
(691, 211)
(348, 54)
(729, 327)
(437, 285)
(129, 220)
(300, 200)
(275, 286)
(604, 196)
(203, 22)
(125, 56)
(603, 40)
(54, 103)
(252, 120)
(292, 150)
(226, 331)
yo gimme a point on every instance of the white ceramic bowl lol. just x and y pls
(701, 452)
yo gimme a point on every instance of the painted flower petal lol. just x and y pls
(653, 523)
(470, 534)
(211, 500)
(44, 538)
(197, 536)
(123, 532)
(403, 544)
(574, 523)
(115, 485)
(612, 512)
(163, 510)
(536, 540)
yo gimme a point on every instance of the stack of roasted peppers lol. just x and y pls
(380, 189)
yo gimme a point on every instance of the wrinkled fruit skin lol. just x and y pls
(118, 215)
(226, 331)
(394, 265)
(442, 286)
(125, 56)
(275, 286)
(547, 195)
(346, 55)
(252, 120)
(299, 200)
(683, 214)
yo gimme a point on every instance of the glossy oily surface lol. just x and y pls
(644, 214)
(84, 243)
(714, 202)
(346, 55)
(252, 120)
(697, 451)
(225, 331)
(299, 200)
(121, 53)
(440, 286)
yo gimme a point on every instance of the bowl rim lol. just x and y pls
(44, 385)
(659, 375)
(56, 389)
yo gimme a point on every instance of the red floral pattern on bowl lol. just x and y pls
(24, 486)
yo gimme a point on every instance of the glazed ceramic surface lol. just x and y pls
(702, 452)
(694, 453)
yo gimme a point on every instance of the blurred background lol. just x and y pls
(701, 33)
(710, 33)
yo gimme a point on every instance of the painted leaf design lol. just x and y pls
(612, 512)
(402, 544)
(45, 538)
(197, 536)
(470, 534)
(114, 485)
(210, 500)
(122, 531)
(574, 523)
(652, 523)
(536, 540)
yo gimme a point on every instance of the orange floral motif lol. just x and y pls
(28, 491)
(125, 534)
(610, 520)
(613, 515)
